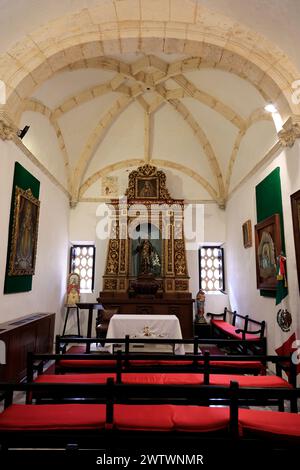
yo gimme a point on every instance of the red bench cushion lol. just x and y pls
(161, 378)
(231, 330)
(200, 418)
(270, 422)
(240, 364)
(249, 380)
(47, 417)
(143, 417)
(145, 362)
(86, 363)
(141, 378)
(170, 417)
(74, 378)
(174, 363)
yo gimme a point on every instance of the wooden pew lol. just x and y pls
(195, 369)
(138, 414)
(255, 339)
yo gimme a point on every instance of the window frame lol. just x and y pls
(212, 247)
(72, 267)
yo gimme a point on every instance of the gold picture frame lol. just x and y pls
(24, 236)
(247, 234)
(295, 202)
(267, 249)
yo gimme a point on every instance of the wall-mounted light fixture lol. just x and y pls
(23, 132)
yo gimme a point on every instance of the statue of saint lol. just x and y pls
(149, 261)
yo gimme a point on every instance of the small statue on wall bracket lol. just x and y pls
(200, 301)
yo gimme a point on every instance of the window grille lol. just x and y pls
(82, 261)
(211, 267)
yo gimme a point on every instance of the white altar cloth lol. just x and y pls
(146, 327)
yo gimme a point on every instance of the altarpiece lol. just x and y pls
(146, 268)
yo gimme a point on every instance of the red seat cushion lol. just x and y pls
(76, 363)
(240, 364)
(155, 362)
(179, 379)
(45, 417)
(143, 417)
(174, 363)
(231, 330)
(74, 378)
(249, 380)
(146, 362)
(200, 418)
(142, 378)
(270, 422)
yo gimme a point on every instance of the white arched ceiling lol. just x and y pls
(77, 124)
(125, 140)
(189, 125)
(180, 185)
(278, 20)
(209, 71)
(220, 131)
(174, 140)
(53, 92)
(257, 141)
(41, 140)
(239, 94)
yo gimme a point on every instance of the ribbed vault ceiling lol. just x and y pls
(129, 81)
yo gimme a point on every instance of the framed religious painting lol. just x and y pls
(147, 187)
(23, 243)
(73, 289)
(267, 249)
(295, 201)
(247, 234)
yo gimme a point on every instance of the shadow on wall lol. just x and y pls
(174, 184)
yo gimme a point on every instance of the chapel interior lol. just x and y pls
(150, 190)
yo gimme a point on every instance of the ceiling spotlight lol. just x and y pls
(23, 132)
(270, 108)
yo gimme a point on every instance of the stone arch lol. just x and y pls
(136, 162)
(172, 27)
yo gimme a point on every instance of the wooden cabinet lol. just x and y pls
(182, 308)
(202, 330)
(30, 333)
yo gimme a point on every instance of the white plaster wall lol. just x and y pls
(220, 132)
(49, 281)
(83, 223)
(241, 271)
(232, 90)
(183, 186)
(174, 140)
(41, 140)
(214, 233)
(53, 92)
(78, 124)
(123, 140)
(257, 141)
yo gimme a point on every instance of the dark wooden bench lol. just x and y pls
(227, 327)
(163, 369)
(108, 360)
(139, 414)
